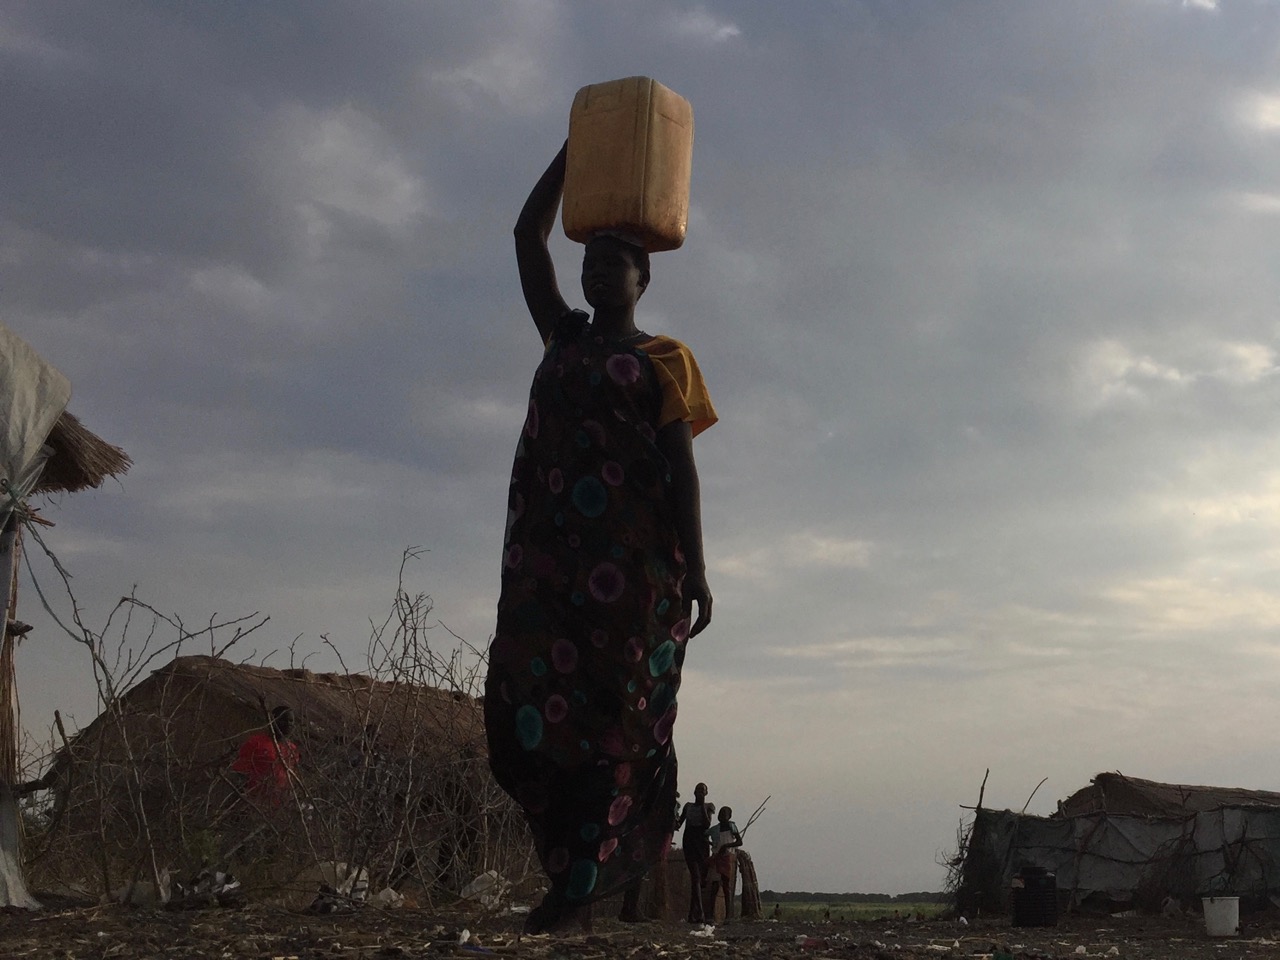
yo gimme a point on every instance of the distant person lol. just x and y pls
(696, 817)
(267, 758)
(724, 836)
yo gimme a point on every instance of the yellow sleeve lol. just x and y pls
(684, 392)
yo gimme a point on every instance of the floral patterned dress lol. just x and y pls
(584, 667)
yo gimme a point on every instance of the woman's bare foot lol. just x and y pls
(553, 915)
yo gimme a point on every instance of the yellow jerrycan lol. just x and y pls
(628, 163)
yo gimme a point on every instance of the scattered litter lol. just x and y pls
(1081, 950)
(209, 887)
(342, 890)
(144, 893)
(389, 897)
(706, 930)
(488, 888)
(1113, 952)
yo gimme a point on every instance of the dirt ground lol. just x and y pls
(66, 932)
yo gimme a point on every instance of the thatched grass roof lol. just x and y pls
(81, 459)
(203, 706)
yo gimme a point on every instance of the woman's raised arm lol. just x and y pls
(537, 272)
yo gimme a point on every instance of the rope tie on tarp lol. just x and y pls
(19, 507)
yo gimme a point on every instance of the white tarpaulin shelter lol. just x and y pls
(1126, 840)
(33, 395)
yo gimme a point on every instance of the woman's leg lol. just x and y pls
(695, 857)
(697, 879)
(691, 864)
(630, 912)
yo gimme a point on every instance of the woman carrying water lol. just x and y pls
(602, 569)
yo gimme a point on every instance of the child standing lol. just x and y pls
(724, 837)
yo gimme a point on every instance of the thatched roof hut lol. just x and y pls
(381, 763)
(201, 707)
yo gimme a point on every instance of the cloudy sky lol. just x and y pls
(987, 295)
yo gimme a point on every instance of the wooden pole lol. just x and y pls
(13, 888)
(8, 693)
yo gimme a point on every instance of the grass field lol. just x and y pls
(812, 910)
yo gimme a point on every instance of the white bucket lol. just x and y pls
(1221, 916)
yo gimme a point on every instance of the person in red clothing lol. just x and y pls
(266, 759)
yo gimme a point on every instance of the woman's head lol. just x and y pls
(700, 791)
(281, 721)
(726, 814)
(614, 273)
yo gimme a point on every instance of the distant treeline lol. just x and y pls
(792, 896)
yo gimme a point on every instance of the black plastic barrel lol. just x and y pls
(1035, 898)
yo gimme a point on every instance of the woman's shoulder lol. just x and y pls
(569, 325)
(661, 345)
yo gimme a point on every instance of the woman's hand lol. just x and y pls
(696, 591)
(675, 440)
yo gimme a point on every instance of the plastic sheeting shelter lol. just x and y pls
(1128, 841)
(33, 395)
(43, 449)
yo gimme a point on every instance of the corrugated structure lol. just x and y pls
(1123, 840)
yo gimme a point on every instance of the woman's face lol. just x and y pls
(610, 276)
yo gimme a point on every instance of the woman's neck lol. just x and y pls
(615, 323)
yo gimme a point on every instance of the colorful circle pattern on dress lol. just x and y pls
(586, 659)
